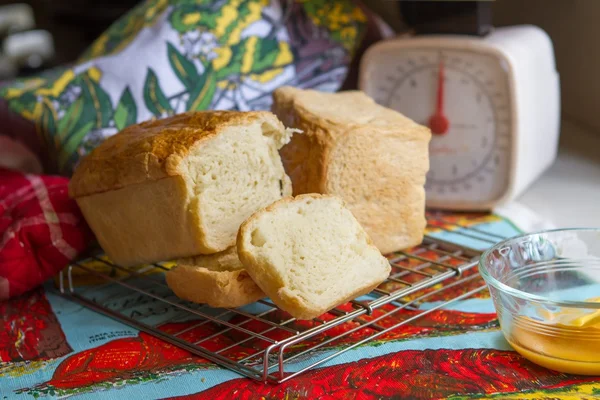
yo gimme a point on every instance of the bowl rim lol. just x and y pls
(490, 280)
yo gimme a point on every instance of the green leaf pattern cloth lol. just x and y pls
(166, 57)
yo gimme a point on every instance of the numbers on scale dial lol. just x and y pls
(465, 105)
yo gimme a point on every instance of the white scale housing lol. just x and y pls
(502, 100)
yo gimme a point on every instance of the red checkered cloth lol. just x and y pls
(41, 230)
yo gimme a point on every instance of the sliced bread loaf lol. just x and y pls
(309, 254)
(373, 157)
(180, 186)
(218, 280)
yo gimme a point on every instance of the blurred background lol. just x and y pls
(74, 24)
(37, 34)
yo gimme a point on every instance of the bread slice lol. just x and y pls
(309, 254)
(373, 157)
(180, 186)
(218, 280)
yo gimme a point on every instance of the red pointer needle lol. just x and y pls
(438, 122)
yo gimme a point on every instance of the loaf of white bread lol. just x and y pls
(374, 158)
(180, 186)
(219, 280)
(309, 254)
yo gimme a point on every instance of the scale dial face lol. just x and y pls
(463, 96)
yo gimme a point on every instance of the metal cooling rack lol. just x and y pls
(264, 343)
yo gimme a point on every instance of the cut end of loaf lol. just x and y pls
(309, 254)
(233, 175)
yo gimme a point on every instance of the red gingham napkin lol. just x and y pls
(41, 230)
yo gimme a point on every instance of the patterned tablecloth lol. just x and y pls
(52, 347)
(166, 57)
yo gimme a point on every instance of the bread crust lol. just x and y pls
(374, 158)
(153, 150)
(160, 229)
(218, 280)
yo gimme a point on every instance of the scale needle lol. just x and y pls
(438, 122)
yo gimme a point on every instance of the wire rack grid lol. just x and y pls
(265, 343)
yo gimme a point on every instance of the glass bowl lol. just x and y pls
(546, 291)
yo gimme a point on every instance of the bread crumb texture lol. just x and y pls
(310, 254)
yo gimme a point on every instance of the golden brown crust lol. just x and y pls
(300, 310)
(227, 289)
(340, 111)
(151, 150)
(218, 280)
(145, 223)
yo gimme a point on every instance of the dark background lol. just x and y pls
(572, 25)
(74, 24)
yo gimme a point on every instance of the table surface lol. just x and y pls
(568, 193)
(61, 349)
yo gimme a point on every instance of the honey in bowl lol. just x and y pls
(567, 341)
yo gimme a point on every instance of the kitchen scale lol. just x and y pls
(491, 97)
